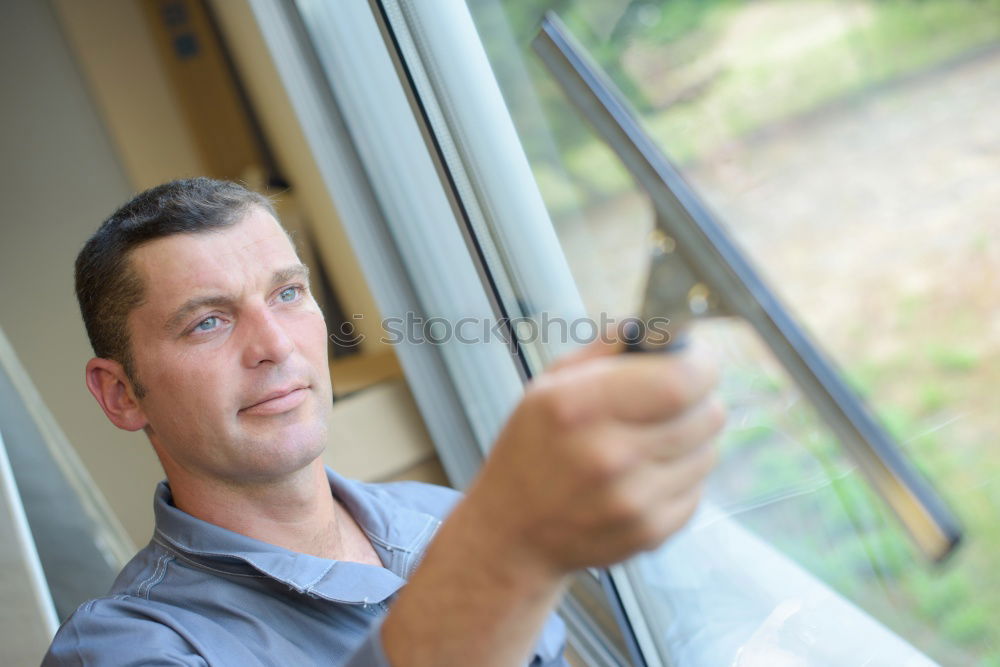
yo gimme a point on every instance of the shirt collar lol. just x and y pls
(398, 533)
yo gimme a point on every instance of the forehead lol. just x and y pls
(230, 259)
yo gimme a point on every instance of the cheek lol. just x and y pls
(313, 334)
(312, 345)
(189, 380)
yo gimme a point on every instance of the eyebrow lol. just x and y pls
(287, 274)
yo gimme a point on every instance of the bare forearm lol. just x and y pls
(471, 602)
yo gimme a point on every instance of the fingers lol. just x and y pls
(681, 477)
(658, 483)
(619, 448)
(673, 517)
(649, 497)
(676, 437)
(604, 346)
(659, 520)
(640, 387)
(659, 494)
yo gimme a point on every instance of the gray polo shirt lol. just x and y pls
(199, 594)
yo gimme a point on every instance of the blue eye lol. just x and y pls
(207, 324)
(288, 294)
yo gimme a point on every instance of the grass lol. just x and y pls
(953, 359)
(934, 396)
(844, 534)
(897, 38)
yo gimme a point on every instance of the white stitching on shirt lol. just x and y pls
(150, 577)
(158, 573)
(198, 564)
(416, 555)
(308, 588)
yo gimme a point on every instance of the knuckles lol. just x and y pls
(654, 529)
(685, 383)
(669, 521)
(595, 456)
(554, 405)
(668, 393)
(652, 536)
(605, 459)
(625, 509)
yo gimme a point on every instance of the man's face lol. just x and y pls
(232, 350)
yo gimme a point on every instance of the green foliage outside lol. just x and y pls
(704, 74)
(819, 511)
(700, 80)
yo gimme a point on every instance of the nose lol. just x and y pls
(266, 340)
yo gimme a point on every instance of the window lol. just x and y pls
(849, 148)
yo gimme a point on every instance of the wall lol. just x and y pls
(59, 177)
(113, 48)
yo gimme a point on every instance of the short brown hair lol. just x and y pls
(107, 287)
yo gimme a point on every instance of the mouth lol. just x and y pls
(277, 402)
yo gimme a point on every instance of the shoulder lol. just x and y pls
(145, 567)
(130, 631)
(121, 630)
(142, 617)
(125, 625)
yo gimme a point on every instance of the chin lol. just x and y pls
(285, 451)
(303, 444)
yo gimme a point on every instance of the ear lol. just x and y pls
(107, 381)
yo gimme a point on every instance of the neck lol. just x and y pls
(297, 511)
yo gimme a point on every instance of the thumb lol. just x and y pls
(606, 345)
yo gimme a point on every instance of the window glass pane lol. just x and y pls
(851, 148)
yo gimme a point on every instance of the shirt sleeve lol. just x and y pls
(112, 632)
(93, 639)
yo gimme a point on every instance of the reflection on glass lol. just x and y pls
(852, 149)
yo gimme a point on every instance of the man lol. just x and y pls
(207, 338)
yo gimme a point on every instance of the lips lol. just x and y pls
(277, 402)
